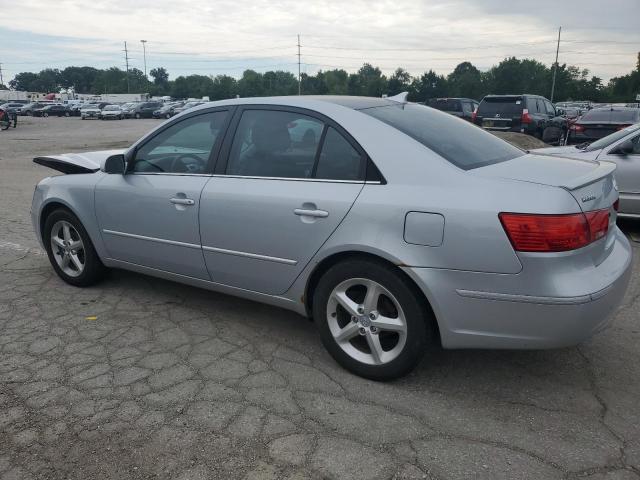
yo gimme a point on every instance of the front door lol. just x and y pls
(288, 181)
(627, 175)
(149, 216)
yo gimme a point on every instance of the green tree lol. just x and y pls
(429, 85)
(160, 76)
(223, 87)
(251, 85)
(399, 82)
(466, 81)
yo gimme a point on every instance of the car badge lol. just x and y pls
(588, 198)
(497, 115)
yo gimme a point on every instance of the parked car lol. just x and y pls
(111, 112)
(460, 107)
(51, 111)
(127, 107)
(12, 108)
(397, 227)
(29, 108)
(143, 109)
(167, 110)
(600, 122)
(90, 111)
(621, 148)
(530, 114)
(187, 106)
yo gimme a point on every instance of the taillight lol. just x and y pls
(526, 118)
(577, 128)
(554, 233)
(474, 115)
(622, 127)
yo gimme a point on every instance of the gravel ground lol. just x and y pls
(170, 381)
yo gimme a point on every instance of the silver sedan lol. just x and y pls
(621, 148)
(394, 226)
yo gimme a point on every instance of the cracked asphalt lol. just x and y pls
(174, 382)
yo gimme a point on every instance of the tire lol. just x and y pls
(402, 349)
(66, 114)
(92, 270)
(138, 116)
(45, 114)
(167, 115)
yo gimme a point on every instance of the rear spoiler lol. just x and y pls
(604, 169)
(64, 164)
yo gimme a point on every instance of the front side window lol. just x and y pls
(271, 143)
(184, 147)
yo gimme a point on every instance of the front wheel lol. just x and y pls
(70, 250)
(45, 114)
(138, 116)
(4, 124)
(371, 319)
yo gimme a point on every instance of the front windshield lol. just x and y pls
(614, 137)
(112, 107)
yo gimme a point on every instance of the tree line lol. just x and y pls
(512, 75)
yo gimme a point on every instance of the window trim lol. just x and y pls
(223, 157)
(213, 155)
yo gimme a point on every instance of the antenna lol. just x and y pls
(400, 98)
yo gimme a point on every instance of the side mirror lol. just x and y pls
(560, 112)
(625, 148)
(115, 164)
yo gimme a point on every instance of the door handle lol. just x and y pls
(182, 201)
(303, 212)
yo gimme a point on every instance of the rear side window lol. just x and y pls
(271, 143)
(504, 106)
(338, 159)
(461, 143)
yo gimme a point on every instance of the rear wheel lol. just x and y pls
(70, 250)
(138, 116)
(45, 114)
(371, 319)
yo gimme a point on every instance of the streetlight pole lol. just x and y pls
(144, 54)
(555, 66)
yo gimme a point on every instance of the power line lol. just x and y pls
(126, 59)
(555, 65)
(299, 76)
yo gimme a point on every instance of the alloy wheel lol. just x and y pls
(67, 248)
(366, 321)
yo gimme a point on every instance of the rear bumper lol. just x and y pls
(482, 310)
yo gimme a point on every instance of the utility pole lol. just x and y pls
(126, 60)
(144, 54)
(1, 80)
(299, 77)
(555, 66)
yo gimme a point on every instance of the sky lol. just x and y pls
(211, 37)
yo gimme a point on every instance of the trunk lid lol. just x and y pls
(591, 183)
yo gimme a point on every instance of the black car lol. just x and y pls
(144, 109)
(460, 107)
(29, 108)
(52, 111)
(530, 114)
(600, 122)
(167, 110)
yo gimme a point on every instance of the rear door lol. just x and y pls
(286, 180)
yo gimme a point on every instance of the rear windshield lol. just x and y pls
(614, 137)
(502, 105)
(445, 104)
(461, 143)
(606, 115)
